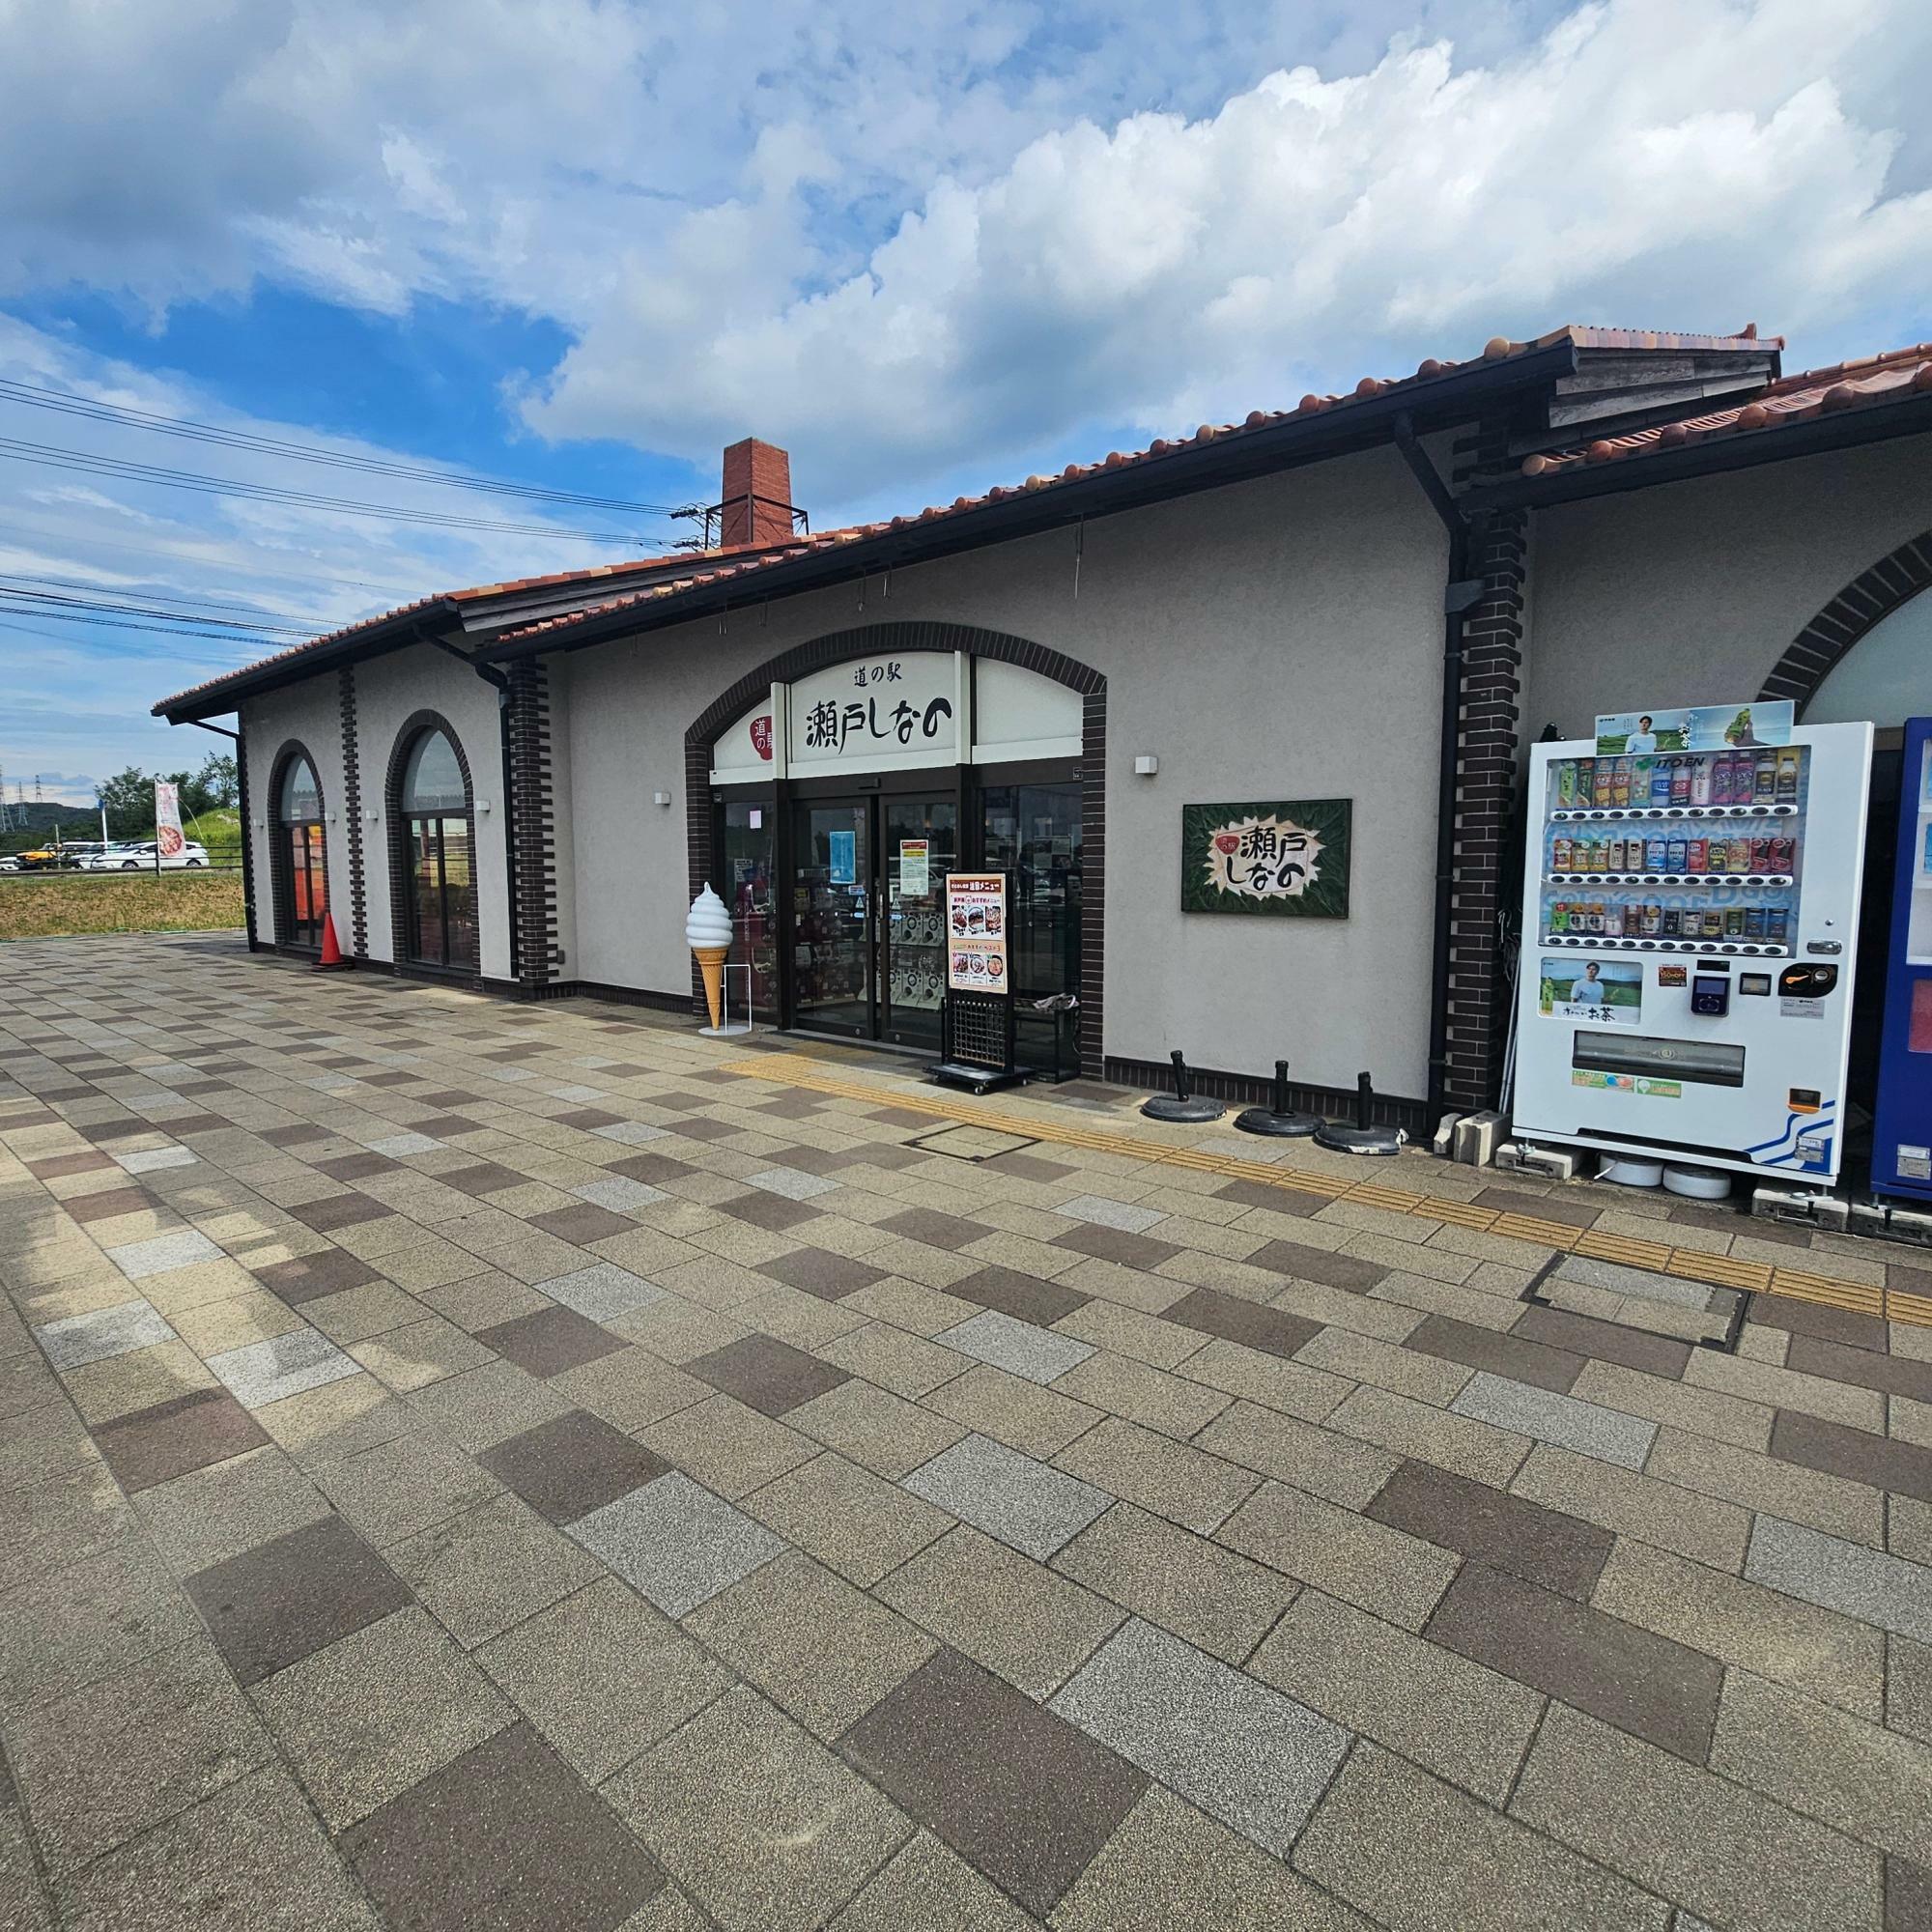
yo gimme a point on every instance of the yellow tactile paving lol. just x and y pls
(1687, 1264)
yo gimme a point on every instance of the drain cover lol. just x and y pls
(1640, 1298)
(966, 1143)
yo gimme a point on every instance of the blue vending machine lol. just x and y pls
(1902, 1134)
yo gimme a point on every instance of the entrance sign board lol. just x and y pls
(1289, 860)
(976, 932)
(870, 714)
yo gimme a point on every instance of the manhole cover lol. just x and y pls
(964, 1142)
(1634, 1297)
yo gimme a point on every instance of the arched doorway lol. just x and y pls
(849, 774)
(433, 864)
(300, 865)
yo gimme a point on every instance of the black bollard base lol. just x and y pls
(1278, 1126)
(1190, 1112)
(1338, 1139)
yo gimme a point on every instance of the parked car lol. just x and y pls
(40, 859)
(76, 852)
(139, 857)
(9, 864)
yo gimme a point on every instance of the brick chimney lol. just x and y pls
(757, 497)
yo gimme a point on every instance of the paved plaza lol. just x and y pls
(481, 1466)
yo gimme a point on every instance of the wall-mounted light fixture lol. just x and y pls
(1145, 765)
(482, 804)
(661, 798)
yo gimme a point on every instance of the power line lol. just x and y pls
(10, 579)
(65, 403)
(49, 604)
(49, 456)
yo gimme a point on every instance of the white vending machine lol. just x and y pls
(1689, 925)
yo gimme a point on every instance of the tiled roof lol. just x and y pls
(560, 580)
(678, 575)
(1888, 378)
(1499, 349)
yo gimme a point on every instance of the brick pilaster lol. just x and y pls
(1477, 997)
(352, 814)
(533, 816)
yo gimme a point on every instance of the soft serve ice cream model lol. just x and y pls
(707, 931)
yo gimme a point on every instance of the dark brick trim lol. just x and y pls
(242, 802)
(1475, 993)
(281, 888)
(863, 640)
(395, 823)
(352, 812)
(1249, 1089)
(533, 849)
(1864, 603)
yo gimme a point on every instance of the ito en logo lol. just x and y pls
(1262, 858)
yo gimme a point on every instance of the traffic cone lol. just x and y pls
(331, 960)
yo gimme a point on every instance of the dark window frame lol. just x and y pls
(281, 867)
(401, 844)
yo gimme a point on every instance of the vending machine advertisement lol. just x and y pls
(1690, 910)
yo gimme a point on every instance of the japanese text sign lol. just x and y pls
(1288, 859)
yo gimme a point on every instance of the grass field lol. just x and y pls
(45, 905)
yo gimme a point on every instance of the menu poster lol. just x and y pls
(976, 932)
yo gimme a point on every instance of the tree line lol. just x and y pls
(128, 797)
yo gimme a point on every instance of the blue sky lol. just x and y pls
(583, 243)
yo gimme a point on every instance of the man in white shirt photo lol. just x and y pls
(1643, 740)
(1588, 991)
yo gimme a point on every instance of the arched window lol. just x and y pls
(436, 832)
(300, 869)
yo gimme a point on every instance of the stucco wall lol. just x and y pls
(1689, 593)
(1275, 640)
(312, 713)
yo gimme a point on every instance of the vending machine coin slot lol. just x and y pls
(1807, 983)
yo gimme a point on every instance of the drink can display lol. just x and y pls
(1669, 924)
(1777, 922)
(1583, 778)
(1566, 785)
(1713, 923)
(1734, 921)
(1640, 781)
(1740, 855)
(1620, 783)
(1701, 782)
(1613, 919)
(1559, 854)
(1783, 854)
(1653, 919)
(1696, 855)
(1760, 856)
(1720, 780)
(1654, 853)
(1559, 917)
(1679, 780)
(1603, 783)
(1787, 776)
(1753, 922)
(1660, 781)
(1674, 853)
(1765, 790)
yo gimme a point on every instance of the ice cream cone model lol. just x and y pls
(707, 931)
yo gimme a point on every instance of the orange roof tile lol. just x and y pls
(1888, 377)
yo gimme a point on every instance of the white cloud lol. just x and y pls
(1639, 165)
(922, 242)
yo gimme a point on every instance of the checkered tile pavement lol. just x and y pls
(472, 1465)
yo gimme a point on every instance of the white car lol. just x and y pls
(139, 857)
